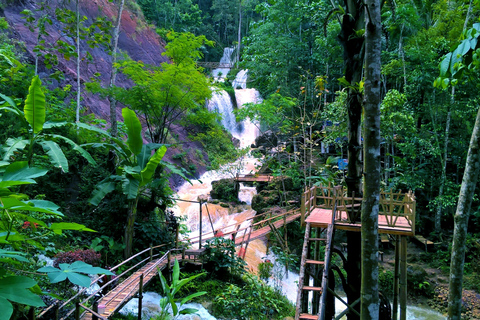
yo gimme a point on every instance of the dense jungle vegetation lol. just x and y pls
(75, 188)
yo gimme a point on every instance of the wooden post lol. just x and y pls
(140, 297)
(403, 278)
(302, 207)
(151, 252)
(31, 313)
(396, 278)
(56, 309)
(177, 231)
(200, 228)
(77, 310)
(169, 258)
(314, 204)
(95, 309)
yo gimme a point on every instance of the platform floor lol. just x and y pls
(321, 218)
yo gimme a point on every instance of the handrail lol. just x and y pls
(393, 205)
(65, 303)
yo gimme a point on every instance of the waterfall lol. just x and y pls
(222, 104)
(240, 81)
(220, 73)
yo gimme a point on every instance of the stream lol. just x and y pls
(246, 132)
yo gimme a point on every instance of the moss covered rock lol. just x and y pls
(225, 190)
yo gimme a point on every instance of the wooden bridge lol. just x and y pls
(215, 65)
(137, 276)
(254, 178)
(151, 261)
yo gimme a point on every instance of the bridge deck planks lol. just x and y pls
(259, 233)
(320, 218)
(122, 293)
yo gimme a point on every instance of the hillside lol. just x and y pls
(137, 39)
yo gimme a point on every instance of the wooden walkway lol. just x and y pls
(126, 290)
(254, 178)
(263, 231)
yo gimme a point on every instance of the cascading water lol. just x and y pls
(221, 217)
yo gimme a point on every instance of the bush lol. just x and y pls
(254, 300)
(88, 256)
(221, 259)
(224, 189)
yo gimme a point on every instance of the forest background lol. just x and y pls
(296, 58)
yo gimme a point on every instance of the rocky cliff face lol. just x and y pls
(136, 39)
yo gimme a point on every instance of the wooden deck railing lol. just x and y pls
(398, 209)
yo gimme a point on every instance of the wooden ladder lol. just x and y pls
(304, 288)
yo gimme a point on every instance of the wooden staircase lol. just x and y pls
(310, 260)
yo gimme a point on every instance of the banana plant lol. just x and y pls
(134, 174)
(33, 117)
(15, 209)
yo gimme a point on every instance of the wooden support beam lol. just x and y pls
(403, 278)
(396, 278)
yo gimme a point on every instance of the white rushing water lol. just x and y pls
(246, 132)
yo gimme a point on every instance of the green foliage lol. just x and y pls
(221, 258)
(34, 114)
(162, 94)
(225, 189)
(254, 300)
(17, 289)
(171, 290)
(75, 273)
(265, 269)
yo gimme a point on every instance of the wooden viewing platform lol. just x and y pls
(396, 211)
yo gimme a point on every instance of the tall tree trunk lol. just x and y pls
(438, 214)
(371, 195)
(352, 21)
(239, 30)
(77, 113)
(113, 76)
(467, 191)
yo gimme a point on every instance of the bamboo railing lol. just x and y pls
(397, 209)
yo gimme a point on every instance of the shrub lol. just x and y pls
(88, 256)
(221, 258)
(254, 300)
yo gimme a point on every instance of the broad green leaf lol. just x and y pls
(35, 106)
(46, 205)
(12, 145)
(101, 190)
(193, 295)
(464, 47)
(10, 102)
(176, 273)
(130, 187)
(134, 130)
(149, 170)
(60, 226)
(15, 289)
(73, 272)
(55, 124)
(188, 311)
(13, 255)
(75, 147)
(79, 279)
(445, 65)
(7, 309)
(20, 173)
(55, 154)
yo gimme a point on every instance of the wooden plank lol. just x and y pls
(307, 316)
(308, 288)
(314, 262)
